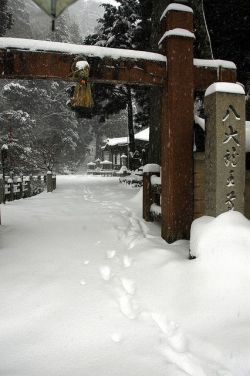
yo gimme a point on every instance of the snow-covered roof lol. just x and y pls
(96, 51)
(106, 162)
(117, 141)
(141, 136)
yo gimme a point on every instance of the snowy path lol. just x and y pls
(86, 288)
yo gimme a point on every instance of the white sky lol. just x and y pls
(113, 2)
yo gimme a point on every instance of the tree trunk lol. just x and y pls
(97, 144)
(131, 147)
(202, 44)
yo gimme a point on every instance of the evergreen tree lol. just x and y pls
(229, 28)
(5, 18)
(20, 19)
(53, 131)
(121, 27)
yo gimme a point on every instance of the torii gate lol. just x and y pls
(174, 70)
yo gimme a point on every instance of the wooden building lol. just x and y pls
(114, 148)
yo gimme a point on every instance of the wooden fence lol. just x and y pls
(17, 187)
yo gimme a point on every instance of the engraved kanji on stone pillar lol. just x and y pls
(225, 148)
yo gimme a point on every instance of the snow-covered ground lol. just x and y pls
(87, 288)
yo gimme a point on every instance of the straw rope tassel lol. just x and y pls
(82, 94)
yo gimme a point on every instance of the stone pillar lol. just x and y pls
(49, 181)
(225, 148)
(177, 123)
(148, 171)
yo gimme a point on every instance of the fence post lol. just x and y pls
(20, 183)
(29, 186)
(148, 171)
(177, 123)
(11, 195)
(225, 148)
(54, 181)
(2, 188)
(49, 181)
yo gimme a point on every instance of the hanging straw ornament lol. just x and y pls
(82, 93)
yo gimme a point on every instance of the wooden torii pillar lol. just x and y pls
(179, 78)
(177, 123)
(177, 141)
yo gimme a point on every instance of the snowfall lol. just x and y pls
(88, 288)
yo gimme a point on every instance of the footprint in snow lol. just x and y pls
(175, 349)
(173, 333)
(184, 361)
(116, 337)
(128, 285)
(105, 272)
(126, 307)
(111, 254)
(127, 261)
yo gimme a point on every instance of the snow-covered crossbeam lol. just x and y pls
(26, 58)
(76, 49)
(206, 72)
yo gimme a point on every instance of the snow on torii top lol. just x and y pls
(97, 51)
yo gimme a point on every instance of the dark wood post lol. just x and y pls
(20, 184)
(177, 123)
(11, 184)
(29, 186)
(49, 182)
(148, 171)
(2, 188)
(54, 181)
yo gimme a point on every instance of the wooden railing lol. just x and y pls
(151, 192)
(17, 187)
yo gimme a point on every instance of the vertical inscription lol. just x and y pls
(232, 147)
(225, 149)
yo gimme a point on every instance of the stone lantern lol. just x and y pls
(124, 160)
